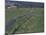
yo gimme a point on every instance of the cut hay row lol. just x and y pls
(25, 10)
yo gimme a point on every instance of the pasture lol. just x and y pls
(26, 23)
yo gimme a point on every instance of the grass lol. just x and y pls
(33, 24)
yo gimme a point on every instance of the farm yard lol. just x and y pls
(27, 20)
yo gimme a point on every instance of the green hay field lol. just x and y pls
(33, 24)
